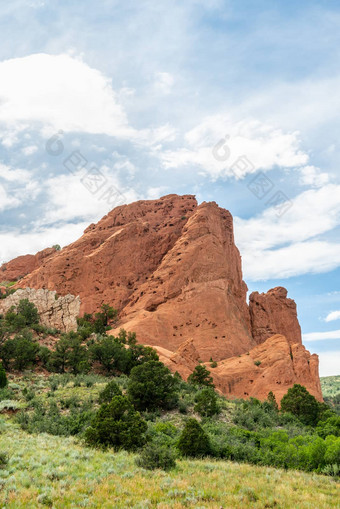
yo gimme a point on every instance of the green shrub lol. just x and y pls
(3, 377)
(117, 425)
(201, 377)
(98, 324)
(253, 415)
(272, 401)
(44, 355)
(155, 456)
(7, 393)
(333, 470)
(301, 403)
(332, 454)
(152, 386)
(70, 354)
(206, 403)
(3, 459)
(19, 352)
(111, 389)
(193, 441)
(330, 426)
(28, 311)
(115, 358)
(50, 420)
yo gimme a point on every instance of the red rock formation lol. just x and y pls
(196, 292)
(272, 313)
(274, 365)
(114, 257)
(184, 360)
(23, 265)
(172, 270)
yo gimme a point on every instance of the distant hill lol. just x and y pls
(330, 385)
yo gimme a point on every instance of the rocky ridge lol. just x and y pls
(171, 268)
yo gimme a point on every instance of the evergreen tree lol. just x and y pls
(201, 376)
(193, 441)
(3, 377)
(301, 403)
(118, 425)
(152, 386)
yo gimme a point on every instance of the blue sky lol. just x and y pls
(143, 92)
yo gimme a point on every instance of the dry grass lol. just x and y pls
(48, 471)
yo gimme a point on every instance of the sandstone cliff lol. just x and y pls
(273, 365)
(171, 268)
(272, 313)
(23, 265)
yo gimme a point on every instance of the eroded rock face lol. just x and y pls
(274, 365)
(55, 312)
(117, 255)
(273, 313)
(22, 265)
(172, 270)
(196, 292)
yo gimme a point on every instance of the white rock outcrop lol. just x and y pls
(55, 312)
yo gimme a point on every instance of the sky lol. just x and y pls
(108, 102)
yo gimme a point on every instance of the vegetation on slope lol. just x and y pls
(331, 392)
(114, 395)
(330, 385)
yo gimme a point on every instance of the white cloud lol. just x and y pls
(264, 146)
(13, 175)
(297, 259)
(334, 315)
(7, 201)
(164, 82)
(29, 150)
(304, 103)
(313, 212)
(8, 137)
(153, 193)
(312, 176)
(15, 243)
(69, 197)
(321, 336)
(281, 247)
(329, 363)
(60, 92)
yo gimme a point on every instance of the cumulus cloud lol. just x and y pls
(83, 196)
(217, 142)
(15, 243)
(60, 92)
(334, 315)
(281, 247)
(13, 175)
(313, 177)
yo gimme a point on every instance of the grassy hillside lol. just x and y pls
(49, 471)
(330, 385)
(44, 470)
(88, 390)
